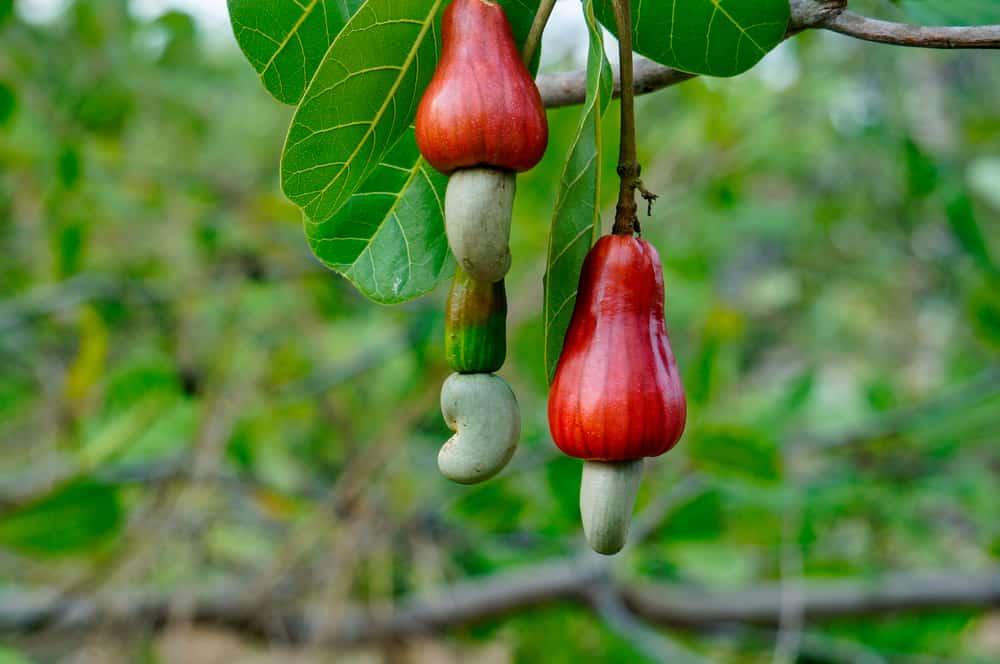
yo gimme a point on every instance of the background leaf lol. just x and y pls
(712, 37)
(8, 656)
(576, 221)
(8, 103)
(72, 519)
(965, 226)
(388, 240)
(953, 12)
(735, 451)
(285, 40)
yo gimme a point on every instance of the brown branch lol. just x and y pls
(570, 88)
(901, 34)
(820, 600)
(626, 217)
(500, 595)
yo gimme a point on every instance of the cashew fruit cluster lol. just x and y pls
(617, 395)
(480, 121)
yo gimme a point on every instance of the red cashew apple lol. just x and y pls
(482, 107)
(617, 395)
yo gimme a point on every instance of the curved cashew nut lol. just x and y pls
(477, 212)
(607, 497)
(483, 413)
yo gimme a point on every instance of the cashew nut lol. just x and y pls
(607, 497)
(477, 210)
(482, 411)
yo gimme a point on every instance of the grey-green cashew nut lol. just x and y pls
(477, 214)
(482, 411)
(607, 497)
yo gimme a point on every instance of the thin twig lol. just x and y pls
(570, 88)
(626, 217)
(902, 34)
(534, 38)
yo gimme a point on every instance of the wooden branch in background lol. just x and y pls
(570, 88)
(900, 34)
(562, 580)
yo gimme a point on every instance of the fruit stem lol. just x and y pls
(534, 38)
(626, 214)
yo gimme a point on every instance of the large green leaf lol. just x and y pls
(576, 221)
(712, 37)
(73, 519)
(373, 211)
(364, 96)
(360, 102)
(285, 40)
(388, 240)
(953, 12)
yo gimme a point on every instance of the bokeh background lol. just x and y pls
(190, 403)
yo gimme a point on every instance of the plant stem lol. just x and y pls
(626, 216)
(534, 39)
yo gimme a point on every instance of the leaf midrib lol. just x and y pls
(306, 11)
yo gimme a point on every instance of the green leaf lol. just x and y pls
(373, 208)
(952, 12)
(8, 103)
(732, 451)
(73, 519)
(8, 656)
(562, 474)
(576, 221)
(712, 37)
(984, 311)
(360, 102)
(389, 240)
(492, 506)
(965, 226)
(701, 518)
(285, 40)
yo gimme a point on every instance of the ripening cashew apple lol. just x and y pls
(475, 325)
(617, 396)
(481, 120)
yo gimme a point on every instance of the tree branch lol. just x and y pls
(570, 88)
(901, 34)
(820, 600)
(472, 601)
(609, 606)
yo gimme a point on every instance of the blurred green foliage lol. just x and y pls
(188, 398)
